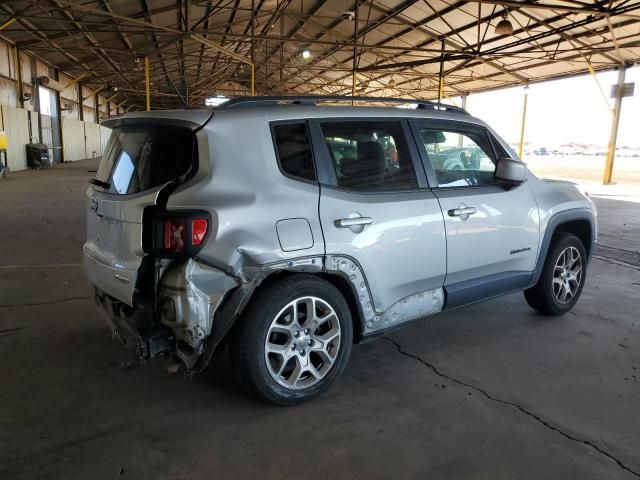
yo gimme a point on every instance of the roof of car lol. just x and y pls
(283, 108)
(339, 100)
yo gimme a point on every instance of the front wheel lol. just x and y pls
(562, 278)
(294, 340)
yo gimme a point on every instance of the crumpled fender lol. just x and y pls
(189, 294)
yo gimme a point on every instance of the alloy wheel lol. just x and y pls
(302, 343)
(567, 275)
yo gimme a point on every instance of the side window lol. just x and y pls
(459, 158)
(370, 155)
(293, 150)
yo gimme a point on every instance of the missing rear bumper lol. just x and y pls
(135, 329)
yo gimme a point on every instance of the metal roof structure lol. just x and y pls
(397, 48)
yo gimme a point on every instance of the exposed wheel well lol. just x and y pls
(354, 307)
(579, 228)
(336, 280)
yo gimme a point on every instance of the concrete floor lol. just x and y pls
(491, 391)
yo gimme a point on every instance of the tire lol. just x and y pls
(269, 350)
(559, 288)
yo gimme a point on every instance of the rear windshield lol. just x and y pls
(141, 157)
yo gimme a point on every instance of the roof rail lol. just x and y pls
(311, 100)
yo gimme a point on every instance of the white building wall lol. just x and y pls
(92, 136)
(73, 142)
(81, 139)
(105, 133)
(16, 125)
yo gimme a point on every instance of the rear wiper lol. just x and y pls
(100, 183)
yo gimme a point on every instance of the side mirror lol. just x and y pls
(511, 170)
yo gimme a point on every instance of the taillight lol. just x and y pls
(179, 234)
(199, 227)
(174, 234)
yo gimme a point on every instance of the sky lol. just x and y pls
(561, 111)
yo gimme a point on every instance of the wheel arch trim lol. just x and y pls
(557, 220)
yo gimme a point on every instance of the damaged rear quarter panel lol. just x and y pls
(239, 183)
(246, 194)
(195, 291)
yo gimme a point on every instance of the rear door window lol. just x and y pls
(138, 158)
(370, 156)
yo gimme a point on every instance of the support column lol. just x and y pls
(441, 74)
(524, 120)
(253, 46)
(19, 83)
(80, 102)
(354, 78)
(146, 82)
(253, 79)
(35, 95)
(615, 122)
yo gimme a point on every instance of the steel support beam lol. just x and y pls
(583, 8)
(146, 83)
(615, 122)
(124, 19)
(524, 120)
(19, 77)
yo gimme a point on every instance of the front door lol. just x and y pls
(379, 212)
(492, 227)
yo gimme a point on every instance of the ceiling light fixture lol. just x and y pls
(348, 16)
(504, 26)
(306, 54)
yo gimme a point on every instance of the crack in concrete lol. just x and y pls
(51, 302)
(520, 408)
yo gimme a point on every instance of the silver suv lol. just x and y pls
(285, 230)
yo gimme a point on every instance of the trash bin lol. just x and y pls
(38, 156)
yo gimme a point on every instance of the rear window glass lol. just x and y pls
(141, 157)
(294, 150)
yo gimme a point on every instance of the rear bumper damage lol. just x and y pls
(188, 296)
(135, 329)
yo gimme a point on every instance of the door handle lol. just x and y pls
(352, 222)
(462, 212)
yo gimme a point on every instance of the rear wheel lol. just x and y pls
(294, 341)
(562, 278)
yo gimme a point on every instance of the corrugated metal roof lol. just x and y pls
(201, 48)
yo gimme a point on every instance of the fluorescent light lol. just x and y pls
(306, 54)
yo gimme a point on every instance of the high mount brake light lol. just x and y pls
(179, 234)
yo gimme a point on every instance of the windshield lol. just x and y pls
(141, 157)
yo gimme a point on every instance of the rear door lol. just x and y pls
(140, 159)
(377, 209)
(492, 227)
